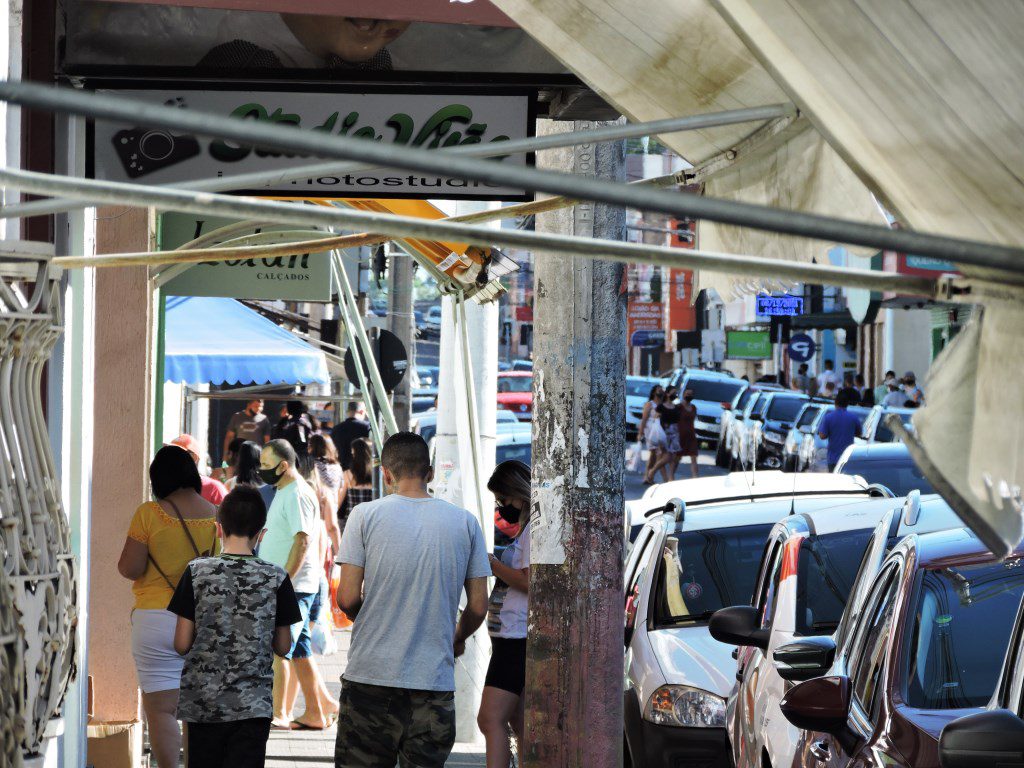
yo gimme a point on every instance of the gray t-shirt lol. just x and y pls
(416, 554)
(255, 428)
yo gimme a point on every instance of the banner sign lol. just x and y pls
(126, 152)
(748, 345)
(299, 277)
(779, 306)
(644, 323)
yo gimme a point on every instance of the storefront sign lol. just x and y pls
(298, 277)
(748, 345)
(644, 323)
(125, 152)
(801, 348)
(779, 306)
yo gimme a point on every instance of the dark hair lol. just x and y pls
(296, 408)
(353, 407)
(890, 373)
(654, 390)
(829, 364)
(323, 448)
(911, 404)
(847, 378)
(173, 468)
(283, 450)
(859, 378)
(362, 461)
(405, 454)
(802, 368)
(247, 464)
(842, 399)
(511, 478)
(233, 447)
(242, 512)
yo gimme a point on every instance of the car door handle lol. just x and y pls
(819, 750)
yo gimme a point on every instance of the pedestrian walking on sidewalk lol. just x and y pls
(357, 480)
(669, 413)
(501, 706)
(406, 559)
(234, 613)
(164, 535)
(839, 427)
(650, 431)
(292, 542)
(688, 443)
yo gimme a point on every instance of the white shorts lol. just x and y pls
(157, 663)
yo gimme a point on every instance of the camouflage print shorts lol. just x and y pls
(379, 727)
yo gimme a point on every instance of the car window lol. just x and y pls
(962, 623)
(513, 452)
(759, 406)
(883, 434)
(741, 404)
(713, 390)
(807, 417)
(868, 660)
(639, 387)
(770, 586)
(785, 408)
(637, 556)
(704, 571)
(515, 383)
(901, 476)
(826, 568)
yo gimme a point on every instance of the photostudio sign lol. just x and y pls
(134, 153)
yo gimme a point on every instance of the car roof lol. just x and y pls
(514, 373)
(844, 516)
(957, 546)
(876, 452)
(700, 373)
(761, 511)
(652, 379)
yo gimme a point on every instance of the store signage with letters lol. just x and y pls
(125, 152)
(779, 306)
(748, 345)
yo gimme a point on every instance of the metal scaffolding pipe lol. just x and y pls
(256, 179)
(405, 226)
(448, 164)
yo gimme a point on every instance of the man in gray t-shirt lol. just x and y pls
(249, 424)
(405, 560)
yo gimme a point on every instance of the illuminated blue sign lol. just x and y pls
(776, 306)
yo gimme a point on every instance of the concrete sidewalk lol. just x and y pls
(295, 749)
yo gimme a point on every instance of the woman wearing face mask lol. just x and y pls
(501, 707)
(668, 411)
(651, 432)
(688, 445)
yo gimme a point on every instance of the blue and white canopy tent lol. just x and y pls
(212, 340)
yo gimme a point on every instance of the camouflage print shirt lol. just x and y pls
(236, 603)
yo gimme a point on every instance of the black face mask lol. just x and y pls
(270, 476)
(509, 514)
(688, 399)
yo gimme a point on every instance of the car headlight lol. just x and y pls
(775, 437)
(685, 707)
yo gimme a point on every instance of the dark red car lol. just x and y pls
(926, 649)
(515, 393)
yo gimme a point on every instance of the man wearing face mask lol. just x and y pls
(291, 541)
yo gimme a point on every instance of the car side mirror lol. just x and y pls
(993, 739)
(805, 658)
(739, 625)
(821, 704)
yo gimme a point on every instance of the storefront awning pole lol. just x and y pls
(467, 381)
(404, 226)
(257, 179)
(451, 165)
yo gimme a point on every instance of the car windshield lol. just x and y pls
(744, 399)
(826, 569)
(515, 383)
(505, 415)
(513, 452)
(707, 570)
(883, 434)
(808, 416)
(639, 387)
(962, 625)
(900, 476)
(713, 390)
(785, 408)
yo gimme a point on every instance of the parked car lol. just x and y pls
(887, 464)
(813, 454)
(427, 375)
(432, 323)
(638, 389)
(731, 413)
(874, 429)
(514, 443)
(768, 432)
(522, 365)
(807, 573)
(515, 393)
(424, 399)
(795, 436)
(711, 390)
(993, 738)
(927, 650)
(741, 434)
(685, 564)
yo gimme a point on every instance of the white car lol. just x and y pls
(807, 574)
(874, 430)
(813, 455)
(685, 564)
(638, 391)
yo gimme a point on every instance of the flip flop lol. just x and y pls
(275, 727)
(297, 726)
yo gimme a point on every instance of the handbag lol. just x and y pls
(191, 541)
(635, 458)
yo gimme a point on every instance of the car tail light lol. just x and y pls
(726, 406)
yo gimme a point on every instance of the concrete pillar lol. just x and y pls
(403, 325)
(121, 452)
(574, 650)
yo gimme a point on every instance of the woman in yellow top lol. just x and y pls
(164, 536)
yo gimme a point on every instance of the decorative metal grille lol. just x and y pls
(38, 603)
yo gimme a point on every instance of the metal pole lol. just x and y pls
(574, 702)
(451, 165)
(519, 146)
(467, 376)
(364, 342)
(404, 226)
(403, 325)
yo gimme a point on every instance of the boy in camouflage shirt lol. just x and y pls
(234, 613)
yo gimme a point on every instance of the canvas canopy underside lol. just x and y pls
(916, 102)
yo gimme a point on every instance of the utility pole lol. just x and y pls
(403, 325)
(574, 649)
